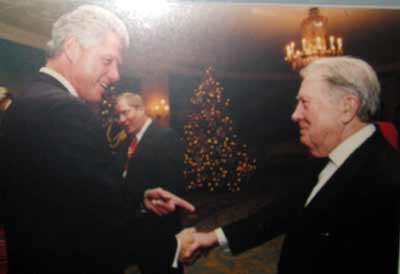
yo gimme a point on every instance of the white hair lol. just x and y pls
(349, 75)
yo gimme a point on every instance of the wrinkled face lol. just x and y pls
(131, 118)
(95, 67)
(319, 118)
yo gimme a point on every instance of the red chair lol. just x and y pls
(390, 133)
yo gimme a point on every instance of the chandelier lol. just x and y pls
(314, 43)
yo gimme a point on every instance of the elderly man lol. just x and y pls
(66, 211)
(154, 158)
(347, 222)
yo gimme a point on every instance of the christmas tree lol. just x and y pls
(214, 158)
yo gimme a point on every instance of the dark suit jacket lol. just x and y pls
(65, 208)
(351, 226)
(157, 162)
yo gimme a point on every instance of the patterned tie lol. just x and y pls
(129, 153)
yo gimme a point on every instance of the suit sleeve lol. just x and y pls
(270, 221)
(256, 229)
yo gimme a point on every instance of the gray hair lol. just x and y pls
(349, 75)
(89, 24)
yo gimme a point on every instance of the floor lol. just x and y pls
(216, 209)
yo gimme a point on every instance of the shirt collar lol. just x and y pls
(60, 79)
(348, 146)
(139, 135)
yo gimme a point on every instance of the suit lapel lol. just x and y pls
(345, 180)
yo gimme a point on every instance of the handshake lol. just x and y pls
(194, 244)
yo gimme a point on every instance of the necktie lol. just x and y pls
(129, 153)
(131, 149)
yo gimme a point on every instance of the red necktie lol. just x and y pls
(131, 148)
(129, 153)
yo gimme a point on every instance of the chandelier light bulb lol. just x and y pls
(315, 43)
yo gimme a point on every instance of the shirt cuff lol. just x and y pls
(176, 258)
(222, 240)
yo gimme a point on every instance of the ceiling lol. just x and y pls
(239, 39)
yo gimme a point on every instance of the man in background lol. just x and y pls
(153, 158)
(348, 220)
(66, 210)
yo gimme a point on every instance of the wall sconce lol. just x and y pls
(159, 109)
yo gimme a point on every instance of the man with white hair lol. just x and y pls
(65, 210)
(347, 221)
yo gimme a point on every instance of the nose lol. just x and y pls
(113, 73)
(297, 113)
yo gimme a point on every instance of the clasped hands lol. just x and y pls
(195, 244)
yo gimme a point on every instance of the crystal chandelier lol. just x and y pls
(314, 43)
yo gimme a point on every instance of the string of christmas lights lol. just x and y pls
(214, 158)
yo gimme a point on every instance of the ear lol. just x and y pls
(72, 49)
(349, 107)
